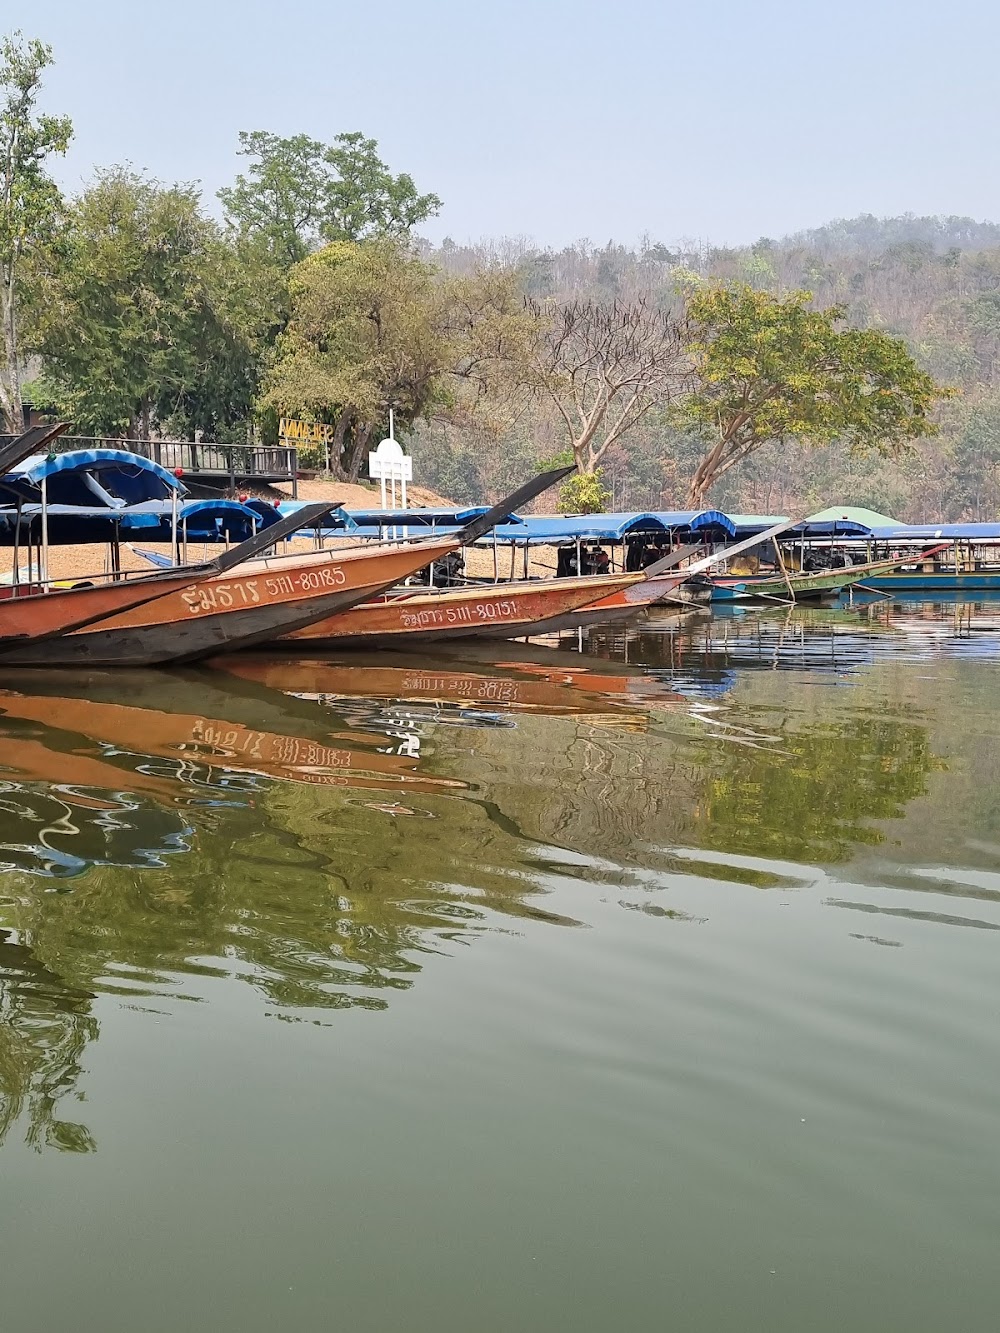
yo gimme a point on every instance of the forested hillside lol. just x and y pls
(933, 281)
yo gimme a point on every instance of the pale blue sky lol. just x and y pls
(556, 120)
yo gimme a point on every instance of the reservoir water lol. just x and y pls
(653, 985)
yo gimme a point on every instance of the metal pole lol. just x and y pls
(44, 562)
(174, 553)
(17, 546)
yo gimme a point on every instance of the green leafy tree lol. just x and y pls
(373, 329)
(29, 199)
(299, 194)
(772, 369)
(134, 324)
(367, 334)
(584, 493)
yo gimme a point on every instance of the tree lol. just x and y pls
(134, 324)
(374, 328)
(368, 333)
(771, 369)
(29, 199)
(603, 366)
(975, 462)
(584, 493)
(299, 193)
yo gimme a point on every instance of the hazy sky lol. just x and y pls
(551, 119)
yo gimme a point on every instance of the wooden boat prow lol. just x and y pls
(258, 602)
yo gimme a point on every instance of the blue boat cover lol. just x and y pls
(697, 520)
(126, 478)
(72, 525)
(747, 525)
(929, 532)
(548, 529)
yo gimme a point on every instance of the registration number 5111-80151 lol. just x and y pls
(235, 595)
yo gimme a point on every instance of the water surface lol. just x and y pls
(649, 986)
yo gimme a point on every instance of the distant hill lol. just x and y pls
(934, 281)
(869, 235)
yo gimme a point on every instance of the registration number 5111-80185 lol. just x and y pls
(235, 595)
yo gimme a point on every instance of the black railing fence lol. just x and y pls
(232, 463)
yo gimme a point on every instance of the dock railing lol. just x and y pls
(226, 464)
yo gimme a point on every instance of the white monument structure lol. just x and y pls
(389, 464)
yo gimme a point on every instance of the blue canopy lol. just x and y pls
(697, 520)
(78, 525)
(414, 518)
(369, 523)
(931, 532)
(748, 525)
(549, 529)
(93, 478)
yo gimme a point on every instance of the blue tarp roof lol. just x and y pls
(546, 529)
(697, 520)
(369, 522)
(746, 525)
(929, 532)
(430, 517)
(70, 525)
(121, 478)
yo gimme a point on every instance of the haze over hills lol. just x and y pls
(935, 281)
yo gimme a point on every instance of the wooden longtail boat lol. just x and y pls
(268, 597)
(614, 606)
(512, 610)
(263, 600)
(27, 618)
(798, 587)
(483, 611)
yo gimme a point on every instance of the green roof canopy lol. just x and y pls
(869, 518)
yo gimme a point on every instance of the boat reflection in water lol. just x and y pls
(488, 681)
(315, 831)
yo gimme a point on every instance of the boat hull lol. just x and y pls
(614, 607)
(915, 581)
(800, 587)
(264, 600)
(494, 611)
(41, 615)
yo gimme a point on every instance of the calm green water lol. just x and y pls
(655, 987)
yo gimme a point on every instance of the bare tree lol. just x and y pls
(603, 367)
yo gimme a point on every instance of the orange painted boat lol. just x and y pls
(264, 599)
(481, 611)
(29, 617)
(267, 599)
(615, 605)
(37, 612)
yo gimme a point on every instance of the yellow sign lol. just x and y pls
(314, 432)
